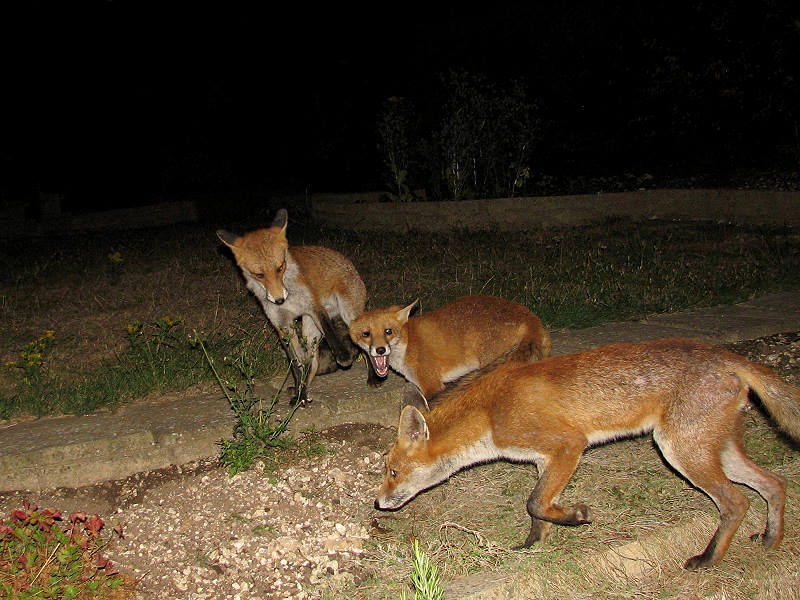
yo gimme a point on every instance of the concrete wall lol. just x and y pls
(364, 212)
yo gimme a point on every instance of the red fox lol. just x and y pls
(317, 284)
(689, 395)
(449, 342)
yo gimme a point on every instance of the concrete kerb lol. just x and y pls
(82, 450)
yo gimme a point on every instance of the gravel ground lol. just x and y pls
(192, 532)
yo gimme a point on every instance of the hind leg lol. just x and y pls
(739, 468)
(700, 464)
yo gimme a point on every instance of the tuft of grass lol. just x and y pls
(424, 577)
(43, 557)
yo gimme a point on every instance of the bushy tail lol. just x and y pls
(781, 400)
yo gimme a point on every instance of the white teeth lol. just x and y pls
(381, 364)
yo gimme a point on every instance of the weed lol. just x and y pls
(42, 558)
(32, 358)
(255, 433)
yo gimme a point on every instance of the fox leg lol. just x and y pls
(739, 468)
(336, 333)
(701, 465)
(310, 354)
(555, 470)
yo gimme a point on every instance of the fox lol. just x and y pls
(449, 342)
(318, 285)
(689, 395)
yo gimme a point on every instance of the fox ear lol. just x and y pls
(228, 238)
(413, 426)
(281, 220)
(403, 314)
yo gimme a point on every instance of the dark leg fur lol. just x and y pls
(338, 337)
(327, 362)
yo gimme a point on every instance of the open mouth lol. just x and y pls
(381, 364)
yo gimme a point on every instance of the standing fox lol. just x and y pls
(689, 395)
(449, 342)
(317, 284)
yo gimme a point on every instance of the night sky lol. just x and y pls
(160, 99)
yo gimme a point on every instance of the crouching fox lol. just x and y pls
(690, 396)
(316, 284)
(449, 342)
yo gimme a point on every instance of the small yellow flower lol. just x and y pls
(11, 363)
(115, 257)
(49, 333)
(167, 321)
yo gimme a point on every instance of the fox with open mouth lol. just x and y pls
(458, 338)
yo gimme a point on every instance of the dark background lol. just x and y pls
(115, 103)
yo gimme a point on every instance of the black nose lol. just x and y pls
(380, 350)
(280, 301)
(376, 505)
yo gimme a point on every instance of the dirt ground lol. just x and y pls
(308, 529)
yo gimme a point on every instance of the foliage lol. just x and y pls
(33, 355)
(256, 432)
(151, 344)
(396, 133)
(485, 137)
(482, 148)
(424, 576)
(41, 557)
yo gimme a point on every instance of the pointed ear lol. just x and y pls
(228, 238)
(403, 313)
(281, 220)
(413, 427)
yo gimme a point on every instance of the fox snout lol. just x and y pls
(380, 360)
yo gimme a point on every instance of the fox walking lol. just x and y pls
(689, 395)
(449, 342)
(316, 284)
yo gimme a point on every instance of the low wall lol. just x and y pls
(363, 213)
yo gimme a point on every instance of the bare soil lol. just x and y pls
(309, 530)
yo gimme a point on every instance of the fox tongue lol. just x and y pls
(381, 364)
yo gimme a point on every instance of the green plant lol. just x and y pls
(395, 130)
(255, 433)
(150, 343)
(32, 358)
(486, 137)
(42, 558)
(424, 577)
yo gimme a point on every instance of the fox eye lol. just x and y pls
(258, 275)
(388, 331)
(365, 333)
(281, 268)
(393, 473)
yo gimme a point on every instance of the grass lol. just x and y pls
(88, 290)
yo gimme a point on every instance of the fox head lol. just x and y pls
(261, 255)
(378, 332)
(410, 465)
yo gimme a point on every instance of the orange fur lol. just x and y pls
(688, 394)
(453, 340)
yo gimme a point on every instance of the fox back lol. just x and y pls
(456, 339)
(689, 395)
